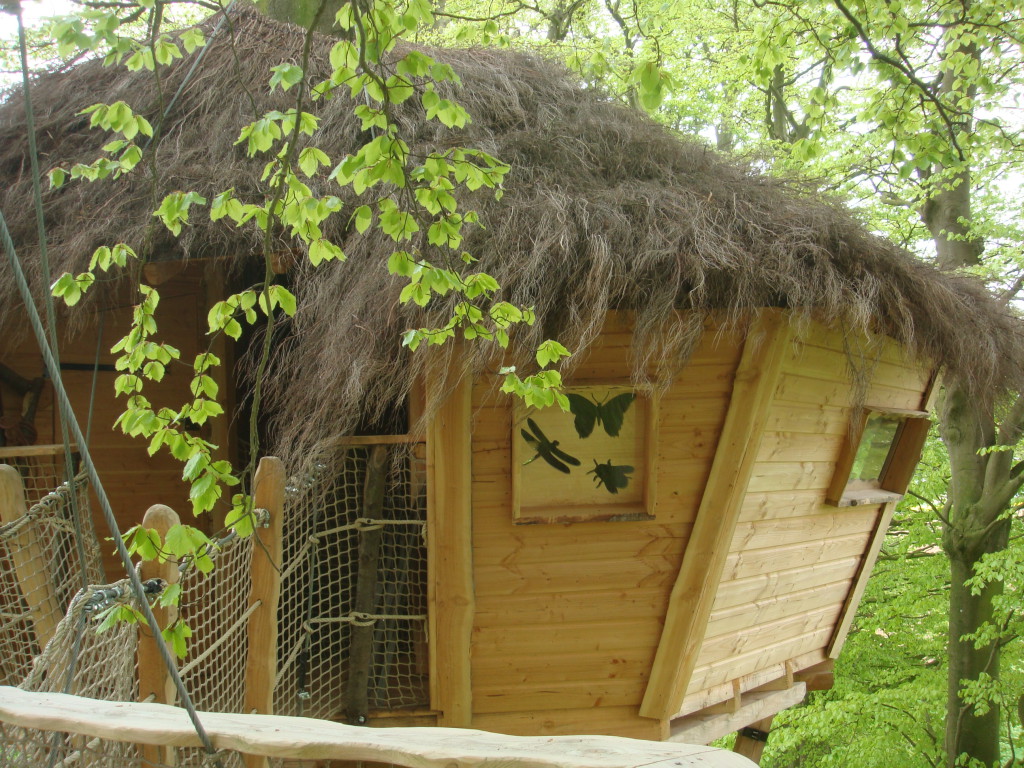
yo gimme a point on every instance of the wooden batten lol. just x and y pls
(265, 592)
(704, 560)
(29, 558)
(860, 581)
(703, 728)
(450, 589)
(154, 677)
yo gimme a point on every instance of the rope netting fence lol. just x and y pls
(41, 564)
(353, 608)
(351, 619)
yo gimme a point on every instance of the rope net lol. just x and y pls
(319, 619)
(41, 567)
(351, 625)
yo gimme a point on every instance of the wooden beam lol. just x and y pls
(752, 739)
(450, 590)
(31, 561)
(697, 583)
(860, 582)
(265, 591)
(703, 729)
(360, 658)
(154, 678)
(300, 738)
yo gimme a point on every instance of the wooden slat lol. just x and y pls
(701, 699)
(306, 739)
(571, 608)
(265, 591)
(720, 647)
(748, 617)
(451, 592)
(31, 560)
(767, 586)
(696, 585)
(17, 451)
(606, 721)
(849, 610)
(740, 565)
(748, 663)
(703, 729)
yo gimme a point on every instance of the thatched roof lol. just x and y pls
(603, 209)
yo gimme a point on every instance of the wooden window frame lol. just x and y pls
(608, 510)
(899, 466)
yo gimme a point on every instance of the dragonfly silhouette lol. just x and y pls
(547, 449)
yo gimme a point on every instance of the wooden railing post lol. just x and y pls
(154, 677)
(265, 591)
(30, 561)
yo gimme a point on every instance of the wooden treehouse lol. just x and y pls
(677, 557)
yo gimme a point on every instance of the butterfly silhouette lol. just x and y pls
(609, 414)
(612, 476)
(547, 449)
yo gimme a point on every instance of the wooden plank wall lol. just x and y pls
(568, 617)
(793, 558)
(133, 480)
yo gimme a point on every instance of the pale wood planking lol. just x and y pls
(781, 583)
(611, 721)
(765, 534)
(588, 638)
(630, 604)
(575, 577)
(742, 564)
(768, 610)
(701, 699)
(759, 658)
(721, 648)
(793, 388)
(822, 363)
(557, 696)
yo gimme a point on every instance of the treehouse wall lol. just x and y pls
(794, 560)
(133, 480)
(568, 616)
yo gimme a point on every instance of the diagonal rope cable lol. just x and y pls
(51, 321)
(68, 416)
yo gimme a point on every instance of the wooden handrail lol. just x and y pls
(308, 739)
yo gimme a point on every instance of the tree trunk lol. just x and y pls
(967, 731)
(981, 488)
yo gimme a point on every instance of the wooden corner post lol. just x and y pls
(265, 593)
(30, 561)
(154, 677)
(696, 585)
(451, 595)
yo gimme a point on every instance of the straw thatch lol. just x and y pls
(603, 209)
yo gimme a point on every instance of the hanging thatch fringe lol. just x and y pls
(603, 209)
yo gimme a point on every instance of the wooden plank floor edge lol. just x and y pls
(304, 738)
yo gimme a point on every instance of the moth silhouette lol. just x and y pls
(609, 414)
(612, 476)
(547, 449)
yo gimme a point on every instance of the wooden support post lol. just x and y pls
(751, 741)
(451, 595)
(360, 657)
(30, 560)
(154, 678)
(697, 583)
(265, 592)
